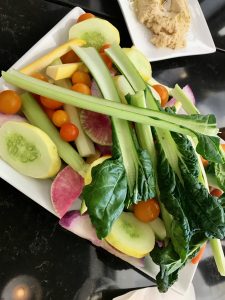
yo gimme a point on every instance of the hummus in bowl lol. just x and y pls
(168, 20)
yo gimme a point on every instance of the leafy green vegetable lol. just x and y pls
(129, 165)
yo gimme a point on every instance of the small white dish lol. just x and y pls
(199, 39)
(39, 189)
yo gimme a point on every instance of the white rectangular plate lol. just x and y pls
(199, 39)
(39, 190)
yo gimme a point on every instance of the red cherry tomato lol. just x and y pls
(69, 132)
(50, 103)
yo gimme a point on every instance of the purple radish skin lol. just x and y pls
(81, 226)
(5, 118)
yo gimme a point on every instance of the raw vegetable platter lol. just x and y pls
(40, 190)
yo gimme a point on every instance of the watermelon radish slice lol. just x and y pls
(104, 150)
(81, 226)
(97, 126)
(65, 189)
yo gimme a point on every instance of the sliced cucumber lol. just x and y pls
(130, 236)
(28, 150)
(96, 32)
(159, 228)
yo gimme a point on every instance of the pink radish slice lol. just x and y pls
(104, 150)
(188, 91)
(95, 91)
(81, 226)
(65, 189)
(97, 126)
(5, 118)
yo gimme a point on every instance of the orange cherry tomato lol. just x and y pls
(105, 46)
(81, 77)
(163, 93)
(81, 88)
(223, 147)
(204, 162)
(198, 257)
(85, 16)
(147, 211)
(50, 103)
(107, 60)
(70, 57)
(60, 117)
(216, 192)
(40, 76)
(10, 102)
(69, 132)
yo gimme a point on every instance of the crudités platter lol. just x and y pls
(40, 190)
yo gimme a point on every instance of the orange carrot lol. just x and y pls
(198, 257)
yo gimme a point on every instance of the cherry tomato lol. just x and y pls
(163, 93)
(107, 60)
(198, 257)
(10, 102)
(223, 147)
(216, 192)
(60, 117)
(105, 46)
(40, 76)
(70, 57)
(81, 77)
(85, 16)
(48, 111)
(204, 162)
(147, 211)
(50, 103)
(81, 88)
(69, 132)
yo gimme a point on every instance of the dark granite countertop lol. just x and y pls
(34, 250)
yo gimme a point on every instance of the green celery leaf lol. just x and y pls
(145, 187)
(171, 194)
(209, 148)
(169, 263)
(204, 209)
(220, 175)
(106, 194)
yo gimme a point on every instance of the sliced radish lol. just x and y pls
(97, 126)
(5, 118)
(81, 226)
(104, 150)
(65, 189)
(95, 90)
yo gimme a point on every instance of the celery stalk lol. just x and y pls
(37, 117)
(122, 129)
(171, 122)
(144, 133)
